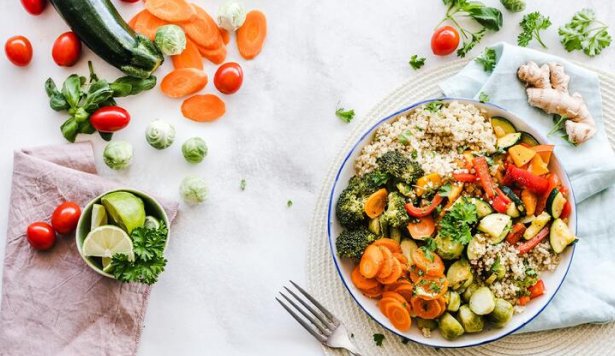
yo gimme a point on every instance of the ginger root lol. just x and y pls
(547, 89)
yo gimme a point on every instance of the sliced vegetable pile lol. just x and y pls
(417, 238)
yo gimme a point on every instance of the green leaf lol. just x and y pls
(531, 25)
(107, 136)
(86, 127)
(489, 17)
(469, 45)
(70, 129)
(584, 32)
(345, 115)
(434, 106)
(98, 93)
(71, 89)
(57, 101)
(483, 97)
(487, 59)
(445, 190)
(378, 339)
(289, 203)
(416, 62)
(458, 222)
(127, 85)
(405, 137)
(243, 184)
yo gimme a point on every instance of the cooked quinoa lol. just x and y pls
(434, 139)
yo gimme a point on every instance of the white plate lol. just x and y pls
(553, 280)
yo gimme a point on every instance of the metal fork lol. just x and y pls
(323, 325)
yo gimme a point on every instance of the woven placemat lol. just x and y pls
(325, 284)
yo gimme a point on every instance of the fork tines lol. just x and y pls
(317, 320)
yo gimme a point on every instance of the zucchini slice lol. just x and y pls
(528, 139)
(482, 208)
(496, 226)
(508, 140)
(518, 203)
(537, 225)
(501, 126)
(513, 211)
(482, 301)
(556, 203)
(560, 236)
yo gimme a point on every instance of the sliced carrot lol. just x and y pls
(393, 286)
(401, 258)
(405, 291)
(416, 273)
(361, 282)
(442, 303)
(203, 30)
(251, 35)
(431, 266)
(394, 295)
(382, 304)
(146, 24)
(216, 55)
(399, 316)
(202, 108)
(428, 287)
(226, 38)
(375, 203)
(422, 229)
(394, 275)
(387, 265)
(183, 82)
(371, 261)
(189, 58)
(426, 309)
(171, 10)
(375, 292)
(391, 244)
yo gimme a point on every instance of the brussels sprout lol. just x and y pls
(426, 323)
(448, 248)
(194, 150)
(454, 300)
(160, 134)
(231, 15)
(471, 322)
(193, 190)
(501, 314)
(118, 154)
(467, 294)
(482, 301)
(459, 274)
(449, 327)
(170, 39)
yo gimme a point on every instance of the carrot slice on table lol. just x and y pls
(216, 55)
(431, 267)
(399, 316)
(371, 261)
(146, 24)
(202, 108)
(387, 265)
(373, 292)
(391, 244)
(394, 275)
(203, 30)
(375, 203)
(182, 82)
(170, 10)
(251, 35)
(226, 38)
(426, 309)
(425, 227)
(189, 58)
(361, 282)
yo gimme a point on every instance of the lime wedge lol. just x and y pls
(106, 264)
(106, 241)
(99, 216)
(126, 209)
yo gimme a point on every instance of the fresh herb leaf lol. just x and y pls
(489, 17)
(428, 248)
(445, 190)
(289, 203)
(483, 97)
(434, 106)
(584, 32)
(530, 272)
(458, 222)
(378, 339)
(469, 44)
(405, 137)
(242, 184)
(416, 62)
(496, 265)
(487, 59)
(532, 24)
(345, 115)
(560, 124)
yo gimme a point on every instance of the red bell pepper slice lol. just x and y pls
(464, 177)
(499, 204)
(542, 200)
(537, 289)
(535, 184)
(523, 300)
(482, 171)
(425, 210)
(567, 210)
(529, 245)
(515, 233)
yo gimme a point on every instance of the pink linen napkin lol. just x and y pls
(52, 302)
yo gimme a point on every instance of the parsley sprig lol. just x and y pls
(532, 24)
(416, 62)
(344, 115)
(584, 32)
(487, 59)
(458, 222)
(378, 339)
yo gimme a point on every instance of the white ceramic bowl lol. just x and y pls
(553, 280)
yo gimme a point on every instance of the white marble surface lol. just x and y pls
(230, 256)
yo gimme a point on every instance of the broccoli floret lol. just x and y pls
(350, 206)
(353, 242)
(396, 215)
(399, 166)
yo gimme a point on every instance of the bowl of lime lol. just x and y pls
(123, 234)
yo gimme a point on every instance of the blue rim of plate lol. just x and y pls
(329, 222)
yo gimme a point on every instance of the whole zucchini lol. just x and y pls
(102, 29)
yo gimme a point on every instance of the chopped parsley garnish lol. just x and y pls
(405, 137)
(532, 24)
(457, 223)
(496, 265)
(487, 59)
(414, 154)
(584, 32)
(428, 248)
(435, 287)
(242, 184)
(289, 203)
(483, 97)
(416, 62)
(445, 190)
(345, 115)
(434, 106)
(378, 339)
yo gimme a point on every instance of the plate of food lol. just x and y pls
(452, 223)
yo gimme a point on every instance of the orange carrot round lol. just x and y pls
(203, 30)
(399, 316)
(431, 268)
(391, 244)
(202, 108)
(387, 265)
(216, 55)
(426, 309)
(361, 282)
(251, 35)
(394, 275)
(375, 203)
(425, 227)
(171, 10)
(189, 58)
(226, 37)
(182, 82)
(146, 24)
(371, 261)
(375, 292)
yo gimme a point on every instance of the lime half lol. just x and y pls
(126, 209)
(99, 216)
(106, 241)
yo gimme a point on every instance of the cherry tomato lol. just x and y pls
(18, 50)
(444, 41)
(41, 236)
(228, 78)
(65, 217)
(110, 119)
(66, 49)
(34, 7)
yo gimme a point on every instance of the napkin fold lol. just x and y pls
(588, 293)
(52, 302)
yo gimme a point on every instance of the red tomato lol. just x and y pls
(18, 50)
(34, 7)
(110, 119)
(41, 236)
(228, 78)
(444, 41)
(66, 49)
(65, 217)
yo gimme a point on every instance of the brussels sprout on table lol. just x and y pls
(193, 190)
(194, 150)
(231, 15)
(160, 134)
(170, 39)
(118, 154)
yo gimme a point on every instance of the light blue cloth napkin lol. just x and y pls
(588, 293)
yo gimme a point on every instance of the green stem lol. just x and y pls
(540, 40)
